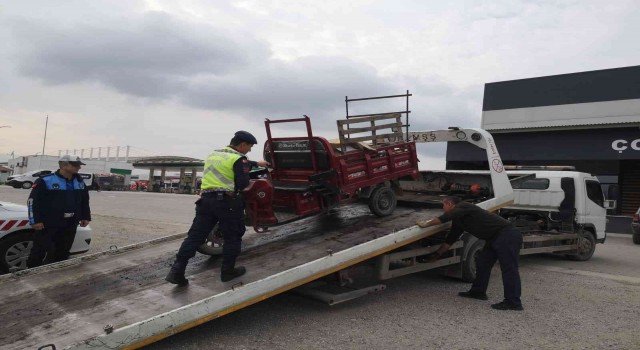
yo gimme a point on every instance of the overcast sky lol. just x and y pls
(179, 77)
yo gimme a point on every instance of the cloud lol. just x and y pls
(152, 55)
(158, 56)
(181, 71)
(308, 83)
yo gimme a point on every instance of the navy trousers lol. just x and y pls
(52, 244)
(505, 248)
(210, 210)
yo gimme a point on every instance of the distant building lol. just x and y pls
(589, 120)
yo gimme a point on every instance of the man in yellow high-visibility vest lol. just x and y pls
(226, 173)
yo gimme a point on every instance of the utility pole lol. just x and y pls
(45, 134)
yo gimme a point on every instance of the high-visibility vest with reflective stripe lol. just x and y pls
(218, 170)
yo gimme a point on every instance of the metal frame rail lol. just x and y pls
(405, 112)
(308, 138)
(407, 264)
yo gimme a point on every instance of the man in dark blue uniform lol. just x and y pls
(57, 204)
(503, 243)
(226, 173)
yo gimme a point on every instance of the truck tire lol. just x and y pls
(469, 263)
(14, 251)
(382, 201)
(26, 185)
(586, 246)
(636, 238)
(213, 244)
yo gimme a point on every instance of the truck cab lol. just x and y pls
(558, 200)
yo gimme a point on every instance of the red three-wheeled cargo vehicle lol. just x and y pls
(310, 174)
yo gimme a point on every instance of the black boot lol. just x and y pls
(474, 295)
(176, 274)
(228, 274)
(505, 305)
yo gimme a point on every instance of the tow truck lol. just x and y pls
(118, 300)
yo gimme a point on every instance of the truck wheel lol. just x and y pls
(14, 251)
(383, 201)
(27, 185)
(586, 246)
(636, 238)
(469, 263)
(213, 244)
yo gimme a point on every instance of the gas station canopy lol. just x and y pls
(170, 163)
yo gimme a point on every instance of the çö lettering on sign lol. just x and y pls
(621, 145)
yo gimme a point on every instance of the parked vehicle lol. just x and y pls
(27, 179)
(635, 227)
(109, 182)
(16, 237)
(138, 185)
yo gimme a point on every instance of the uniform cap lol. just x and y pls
(246, 137)
(67, 158)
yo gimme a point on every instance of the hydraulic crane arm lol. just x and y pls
(503, 193)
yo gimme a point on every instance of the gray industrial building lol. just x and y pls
(590, 120)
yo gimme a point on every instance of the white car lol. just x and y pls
(16, 237)
(27, 179)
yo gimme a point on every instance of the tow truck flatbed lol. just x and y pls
(74, 304)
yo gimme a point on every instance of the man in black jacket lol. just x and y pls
(502, 244)
(57, 204)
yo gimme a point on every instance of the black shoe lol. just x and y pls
(177, 278)
(176, 274)
(507, 306)
(474, 295)
(228, 275)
